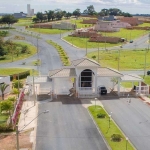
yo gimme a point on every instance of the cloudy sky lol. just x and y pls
(131, 6)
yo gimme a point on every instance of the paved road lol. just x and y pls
(67, 126)
(133, 119)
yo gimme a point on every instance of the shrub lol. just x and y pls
(5, 128)
(100, 115)
(15, 91)
(116, 137)
(12, 99)
(16, 83)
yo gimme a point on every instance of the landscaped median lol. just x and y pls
(63, 55)
(109, 130)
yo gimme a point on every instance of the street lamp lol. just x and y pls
(109, 120)
(95, 102)
(18, 131)
(127, 143)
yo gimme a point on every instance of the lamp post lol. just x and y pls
(95, 102)
(18, 131)
(127, 143)
(109, 120)
(33, 86)
(119, 59)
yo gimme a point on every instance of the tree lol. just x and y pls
(2, 51)
(9, 19)
(68, 15)
(6, 106)
(39, 15)
(3, 87)
(77, 13)
(91, 11)
(58, 14)
(35, 19)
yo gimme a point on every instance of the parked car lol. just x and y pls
(131, 41)
(148, 72)
(102, 90)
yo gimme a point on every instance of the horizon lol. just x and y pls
(130, 6)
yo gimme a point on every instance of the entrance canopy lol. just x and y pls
(131, 78)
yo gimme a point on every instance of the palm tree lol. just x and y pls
(3, 87)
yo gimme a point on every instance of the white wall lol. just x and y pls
(6, 80)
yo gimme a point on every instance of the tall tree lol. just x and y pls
(91, 11)
(3, 87)
(77, 13)
(39, 15)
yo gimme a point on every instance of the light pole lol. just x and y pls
(118, 59)
(109, 120)
(18, 131)
(98, 51)
(33, 86)
(127, 143)
(95, 102)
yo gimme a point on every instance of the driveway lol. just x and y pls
(133, 119)
(67, 126)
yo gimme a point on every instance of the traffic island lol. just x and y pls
(110, 131)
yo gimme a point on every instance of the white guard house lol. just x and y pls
(84, 74)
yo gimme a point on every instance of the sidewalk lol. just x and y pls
(28, 113)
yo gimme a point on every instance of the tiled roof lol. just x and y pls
(64, 72)
(108, 72)
(85, 62)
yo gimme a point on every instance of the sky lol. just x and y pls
(131, 6)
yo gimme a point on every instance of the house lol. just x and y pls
(6, 80)
(110, 26)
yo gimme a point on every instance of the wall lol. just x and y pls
(6, 80)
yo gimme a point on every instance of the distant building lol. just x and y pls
(64, 25)
(28, 9)
(107, 18)
(132, 21)
(30, 12)
(110, 26)
(20, 15)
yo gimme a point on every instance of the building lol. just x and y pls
(107, 18)
(28, 9)
(20, 15)
(6, 80)
(110, 26)
(132, 21)
(85, 74)
(30, 12)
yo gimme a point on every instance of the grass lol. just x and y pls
(32, 49)
(47, 31)
(144, 25)
(11, 71)
(129, 59)
(79, 23)
(127, 34)
(36, 63)
(81, 42)
(63, 55)
(103, 124)
(24, 22)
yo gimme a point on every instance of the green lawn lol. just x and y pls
(144, 25)
(79, 23)
(107, 131)
(127, 34)
(11, 71)
(129, 59)
(81, 43)
(24, 22)
(48, 31)
(8, 58)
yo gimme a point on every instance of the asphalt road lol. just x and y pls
(133, 119)
(67, 126)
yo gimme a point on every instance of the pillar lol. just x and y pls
(118, 88)
(139, 88)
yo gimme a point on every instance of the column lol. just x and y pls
(118, 88)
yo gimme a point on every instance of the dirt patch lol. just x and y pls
(8, 142)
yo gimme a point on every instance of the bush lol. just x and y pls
(116, 137)
(100, 115)
(15, 91)
(16, 83)
(5, 128)
(12, 99)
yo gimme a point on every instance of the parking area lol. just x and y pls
(68, 126)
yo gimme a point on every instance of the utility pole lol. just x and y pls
(98, 51)
(33, 86)
(17, 137)
(86, 47)
(118, 59)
